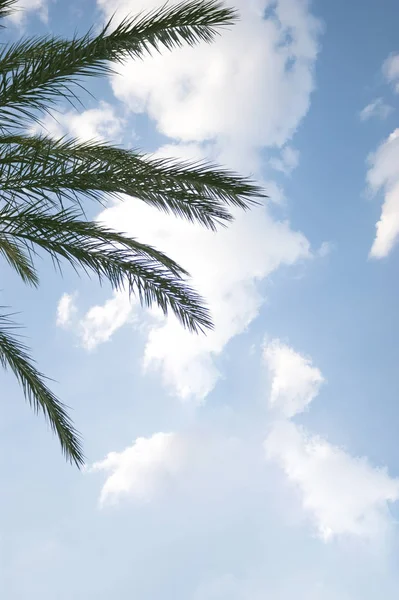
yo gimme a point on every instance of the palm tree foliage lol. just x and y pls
(44, 182)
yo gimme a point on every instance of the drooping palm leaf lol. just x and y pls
(14, 355)
(44, 182)
(7, 7)
(122, 261)
(41, 167)
(18, 260)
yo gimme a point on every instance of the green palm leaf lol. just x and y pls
(18, 260)
(14, 354)
(122, 261)
(44, 182)
(7, 7)
(60, 170)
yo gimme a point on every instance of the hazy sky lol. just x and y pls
(260, 462)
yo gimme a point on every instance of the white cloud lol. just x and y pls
(100, 124)
(295, 381)
(343, 494)
(66, 309)
(287, 162)
(378, 109)
(197, 465)
(383, 175)
(249, 89)
(100, 322)
(325, 250)
(390, 69)
(140, 469)
(24, 7)
(228, 100)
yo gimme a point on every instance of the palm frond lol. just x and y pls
(7, 7)
(42, 78)
(15, 55)
(18, 260)
(155, 278)
(40, 168)
(44, 181)
(14, 354)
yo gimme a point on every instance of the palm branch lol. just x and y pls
(44, 182)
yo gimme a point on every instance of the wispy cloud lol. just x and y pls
(287, 162)
(383, 174)
(343, 494)
(23, 8)
(377, 109)
(66, 309)
(295, 382)
(390, 69)
(101, 124)
(100, 322)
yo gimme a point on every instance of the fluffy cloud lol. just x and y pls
(390, 69)
(100, 124)
(66, 309)
(378, 109)
(139, 470)
(383, 175)
(24, 7)
(200, 465)
(225, 101)
(101, 322)
(295, 382)
(248, 90)
(343, 494)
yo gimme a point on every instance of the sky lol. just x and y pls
(261, 461)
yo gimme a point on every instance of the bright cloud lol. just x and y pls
(66, 309)
(100, 322)
(139, 470)
(24, 7)
(383, 175)
(249, 89)
(261, 72)
(377, 109)
(295, 381)
(199, 464)
(100, 124)
(343, 494)
(390, 69)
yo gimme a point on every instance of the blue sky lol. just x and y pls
(262, 461)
